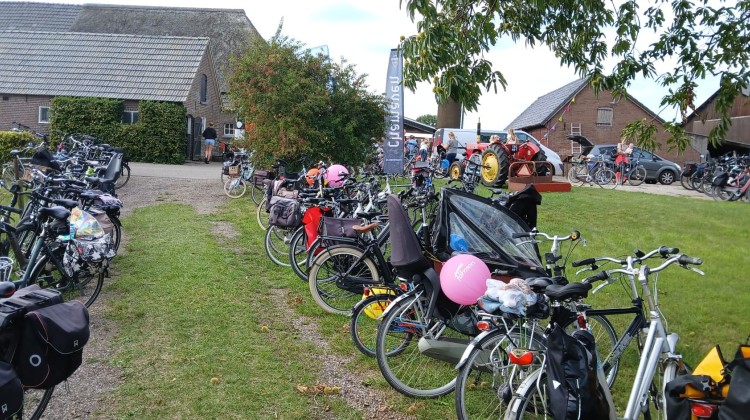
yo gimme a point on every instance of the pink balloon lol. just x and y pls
(464, 279)
(333, 175)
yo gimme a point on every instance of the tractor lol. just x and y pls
(497, 157)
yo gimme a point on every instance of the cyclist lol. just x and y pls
(623, 151)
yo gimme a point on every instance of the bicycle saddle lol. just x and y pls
(569, 291)
(57, 212)
(64, 202)
(7, 288)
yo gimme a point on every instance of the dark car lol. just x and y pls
(657, 168)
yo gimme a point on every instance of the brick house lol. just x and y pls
(37, 66)
(705, 118)
(576, 109)
(229, 32)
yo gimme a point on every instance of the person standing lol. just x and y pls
(623, 151)
(424, 147)
(411, 146)
(512, 139)
(210, 135)
(452, 148)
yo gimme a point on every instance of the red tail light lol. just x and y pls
(483, 325)
(703, 410)
(523, 357)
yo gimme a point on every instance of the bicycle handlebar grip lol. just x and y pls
(587, 261)
(666, 251)
(575, 235)
(602, 275)
(686, 259)
(517, 235)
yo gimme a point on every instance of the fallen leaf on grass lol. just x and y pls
(215, 381)
(415, 407)
(318, 389)
(346, 328)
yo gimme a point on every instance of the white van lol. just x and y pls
(465, 136)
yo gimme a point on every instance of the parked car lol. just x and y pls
(465, 137)
(657, 168)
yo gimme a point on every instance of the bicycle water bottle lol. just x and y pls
(72, 230)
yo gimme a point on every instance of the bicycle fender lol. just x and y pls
(476, 341)
(408, 294)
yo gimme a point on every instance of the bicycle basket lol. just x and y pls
(234, 170)
(6, 264)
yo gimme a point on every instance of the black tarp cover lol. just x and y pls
(487, 229)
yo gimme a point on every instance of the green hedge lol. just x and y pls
(10, 140)
(158, 136)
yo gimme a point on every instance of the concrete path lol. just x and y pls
(188, 170)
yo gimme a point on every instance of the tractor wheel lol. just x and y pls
(494, 166)
(455, 171)
(541, 157)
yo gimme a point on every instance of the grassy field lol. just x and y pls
(204, 318)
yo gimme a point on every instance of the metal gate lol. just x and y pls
(194, 149)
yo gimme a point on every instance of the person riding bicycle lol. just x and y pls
(411, 146)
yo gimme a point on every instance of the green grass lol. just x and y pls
(191, 305)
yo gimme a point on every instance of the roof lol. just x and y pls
(25, 16)
(546, 106)
(99, 65)
(230, 30)
(418, 125)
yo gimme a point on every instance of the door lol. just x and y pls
(194, 150)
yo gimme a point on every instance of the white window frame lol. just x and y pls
(229, 130)
(43, 121)
(604, 116)
(131, 115)
(204, 89)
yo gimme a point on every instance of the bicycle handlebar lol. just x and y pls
(573, 236)
(663, 251)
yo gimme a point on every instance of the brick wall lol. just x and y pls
(22, 109)
(584, 112)
(211, 109)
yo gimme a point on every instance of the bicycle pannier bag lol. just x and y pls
(574, 391)
(737, 403)
(284, 213)
(340, 227)
(11, 392)
(51, 346)
(29, 298)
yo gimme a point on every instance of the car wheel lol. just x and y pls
(667, 177)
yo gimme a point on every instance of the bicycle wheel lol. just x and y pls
(665, 373)
(35, 402)
(337, 278)
(606, 339)
(486, 382)
(364, 323)
(720, 194)
(261, 215)
(605, 178)
(415, 370)
(83, 286)
(116, 231)
(637, 175)
(531, 399)
(257, 192)
(277, 244)
(577, 174)
(8, 177)
(685, 182)
(298, 253)
(124, 176)
(235, 187)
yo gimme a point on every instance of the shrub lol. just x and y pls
(10, 140)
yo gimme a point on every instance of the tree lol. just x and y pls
(700, 38)
(294, 103)
(429, 119)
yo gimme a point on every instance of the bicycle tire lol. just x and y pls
(276, 245)
(257, 192)
(577, 175)
(235, 187)
(124, 177)
(326, 274)
(411, 371)
(83, 287)
(685, 182)
(486, 381)
(116, 231)
(364, 322)
(530, 401)
(637, 175)
(35, 401)
(606, 178)
(8, 177)
(298, 256)
(261, 215)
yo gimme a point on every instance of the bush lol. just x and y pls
(159, 136)
(10, 140)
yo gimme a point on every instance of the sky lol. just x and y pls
(363, 32)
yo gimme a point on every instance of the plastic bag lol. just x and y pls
(512, 297)
(86, 225)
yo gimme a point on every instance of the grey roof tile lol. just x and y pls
(103, 65)
(546, 106)
(29, 16)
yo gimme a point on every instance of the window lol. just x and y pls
(44, 115)
(129, 117)
(204, 88)
(228, 130)
(604, 117)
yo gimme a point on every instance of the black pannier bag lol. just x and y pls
(339, 227)
(574, 391)
(284, 213)
(51, 345)
(737, 403)
(11, 392)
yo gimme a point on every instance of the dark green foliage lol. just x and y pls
(10, 140)
(159, 135)
(429, 119)
(694, 40)
(295, 103)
